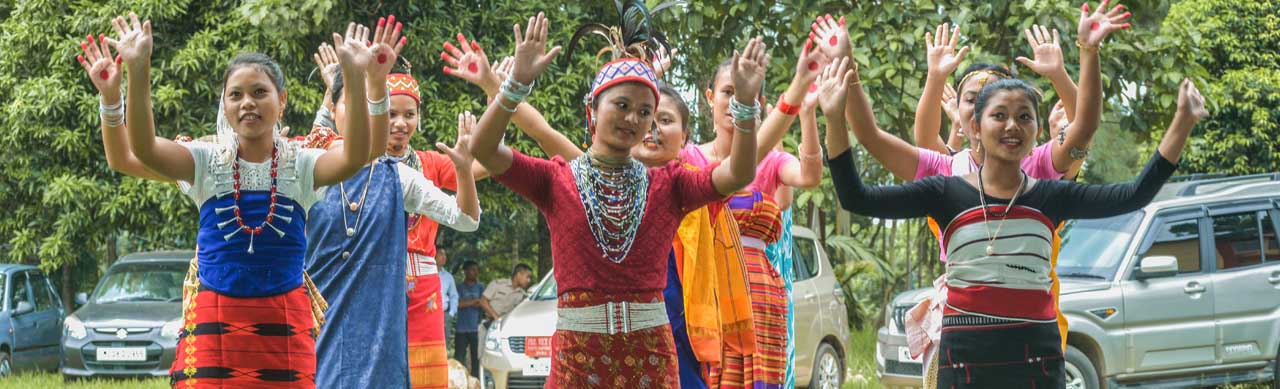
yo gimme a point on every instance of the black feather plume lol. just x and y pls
(634, 35)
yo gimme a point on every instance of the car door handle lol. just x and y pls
(809, 296)
(1193, 288)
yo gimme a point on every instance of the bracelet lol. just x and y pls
(742, 111)
(504, 107)
(379, 107)
(515, 91)
(787, 109)
(811, 157)
(745, 130)
(1087, 49)
(112, 115)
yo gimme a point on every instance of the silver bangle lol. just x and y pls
(112, 115)
(379, 107)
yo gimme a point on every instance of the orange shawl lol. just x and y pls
(711, 268)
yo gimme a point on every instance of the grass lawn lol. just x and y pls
(30, 380)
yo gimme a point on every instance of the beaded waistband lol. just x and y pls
(612, 317)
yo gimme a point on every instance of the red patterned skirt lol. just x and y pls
(428, 362)
(246, 342)
(638, 359)
(767, 366)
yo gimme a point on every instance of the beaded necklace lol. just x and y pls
(235, 176)
(614, 198)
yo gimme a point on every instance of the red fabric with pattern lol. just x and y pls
(639, 359)
(255, 342)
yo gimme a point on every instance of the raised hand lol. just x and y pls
(810, 64)
(951, 104)
(810, 103)
(1094, 27)
(1190, 101)
(831, 36)
(748, 71)
(532, 56)
(502, 70)
(327, 60)
(662, 61)
(470, 64)
(942, 56)
(353, 54)
(385, 47)
(134, 42)
(833, 88)
(460, 153)
(103, 70)
(1047, 50)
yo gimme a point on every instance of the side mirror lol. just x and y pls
(82, 298)
(23, 308)
(1158, 266)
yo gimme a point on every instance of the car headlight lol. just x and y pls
(491, 337)
(74, 328)
(171, 329)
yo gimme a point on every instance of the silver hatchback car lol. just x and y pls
(1183, 293)
(517, 347)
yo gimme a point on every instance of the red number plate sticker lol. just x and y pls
(537, 346)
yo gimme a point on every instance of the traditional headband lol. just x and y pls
(982, 76)
(403, 84)
(618, 72)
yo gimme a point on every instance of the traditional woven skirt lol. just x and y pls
(765, 368)
(252, 342)
(428, 359)
(638, 359)
(983, 352)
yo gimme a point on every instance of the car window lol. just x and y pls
(20, 291)
(1179, 239)
(806, 259)
(1244, 239)
(1094, 248)
(40, 287)
(141, 283)
(546, 291)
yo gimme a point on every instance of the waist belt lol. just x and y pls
(421, 265)
(612, 318)
(755, 243)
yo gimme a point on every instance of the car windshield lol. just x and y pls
(546, 291)
(1093, 248)
(141, 282)
(4, 284)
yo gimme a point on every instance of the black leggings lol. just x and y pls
(1012, 355)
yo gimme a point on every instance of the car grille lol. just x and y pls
(903, 368)
(900, 316)
(522, 382)
(89, 354)
(517, 345)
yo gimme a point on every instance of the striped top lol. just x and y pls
(1014, 281)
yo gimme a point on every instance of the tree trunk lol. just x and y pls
(544, 247)
(68, 291)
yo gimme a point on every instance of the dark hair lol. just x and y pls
(469, 264)
(258, 61)
(337, 86)
(520, 267)
(1007, 84)
(669, 92)
(1002, 71)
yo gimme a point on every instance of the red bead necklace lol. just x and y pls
(235, 175)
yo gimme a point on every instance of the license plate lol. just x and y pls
(537, 346)
(904, 355)
(539, 367)
(122, 354)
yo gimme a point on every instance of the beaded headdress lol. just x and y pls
(403, 84)
(631, 44)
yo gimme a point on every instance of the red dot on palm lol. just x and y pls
(104, 74)
(382, 58)
(1094, 26)
(473, 68)
(832, 41)
(813, 66)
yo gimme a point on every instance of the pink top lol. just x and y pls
(674, 190)
(768, 171)
(1039, 165)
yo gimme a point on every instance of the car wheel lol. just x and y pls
(828, 369)
(1080, 371)
(6, 366)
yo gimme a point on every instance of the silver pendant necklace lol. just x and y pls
(982, 198)
(354, 206)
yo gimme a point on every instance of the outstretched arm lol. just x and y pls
(106, 74)
(532, 58)
(159, 155)
(343, 162)
(460, 154)
(1048, 64)
(900, 157)
(747, 72)
(1093, 29)
(943, 59)
(387, 43)
(808, 172)
(471, 64)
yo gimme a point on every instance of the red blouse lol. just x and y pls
(674, 190)
(438, 168)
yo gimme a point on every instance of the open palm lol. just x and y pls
(103, 70)
(532, 56)
(1047, 50)
(1094, 27)
(942, 55)
(134, 39)
(749, 70)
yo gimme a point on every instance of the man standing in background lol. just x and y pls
(502, 296)
(448, 294)
(466, 347)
